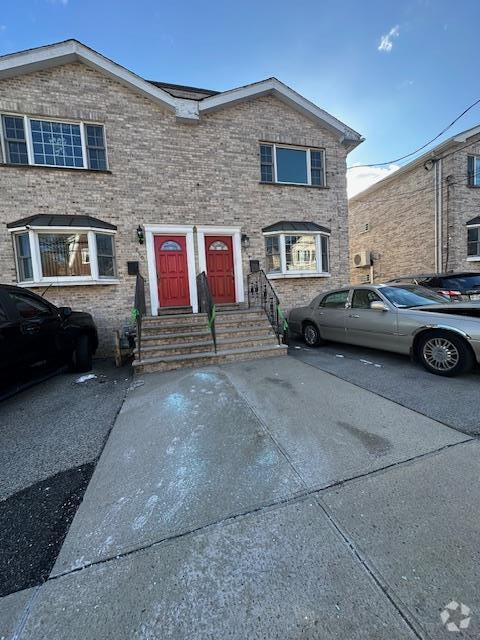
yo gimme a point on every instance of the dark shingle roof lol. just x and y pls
(48, 220)
(182, 91)
(291, 225)
(474, 221)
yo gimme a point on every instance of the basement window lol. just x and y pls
(292, 165)
(53, 143)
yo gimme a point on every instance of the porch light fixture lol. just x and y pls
(140, 234)
(245, 241)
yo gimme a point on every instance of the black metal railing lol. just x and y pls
(139, 310)
(206, 304)
(262, 294)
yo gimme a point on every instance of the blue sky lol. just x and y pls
(397, 95)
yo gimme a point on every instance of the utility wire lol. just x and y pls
(408, 155)
(402, 194)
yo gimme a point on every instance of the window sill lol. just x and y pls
(310, 274)
(293, 184)
(473, 259)
(67, 283)
(44, 167)
(473, 186)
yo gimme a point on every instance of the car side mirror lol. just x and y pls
(378, 306)
(65, 311)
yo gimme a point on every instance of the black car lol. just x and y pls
(36, 335)
(457, 287)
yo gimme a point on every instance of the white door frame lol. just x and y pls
(152, 230)
(235, 233)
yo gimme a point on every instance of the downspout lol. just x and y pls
(438, 214)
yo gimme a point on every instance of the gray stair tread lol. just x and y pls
(210, 354)
(173, 316)
(185, 334)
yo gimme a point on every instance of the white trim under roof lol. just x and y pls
(188, 111)
(280, 90)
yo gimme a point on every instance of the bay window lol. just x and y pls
(291, 252)
(473, 243)
(64, 254)
(292, 165)
(52, 143)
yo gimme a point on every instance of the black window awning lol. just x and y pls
(473, 221)
(48, 220)
(292, 225)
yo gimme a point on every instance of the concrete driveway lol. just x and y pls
(266, 499)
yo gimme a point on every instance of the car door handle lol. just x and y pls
(29, 329)
(353, 315)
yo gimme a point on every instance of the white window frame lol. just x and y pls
(29, 140)
(308, 151)
(477, 257)
(283, 273)
(40, 280)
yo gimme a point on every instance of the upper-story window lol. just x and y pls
(53, 143)
(292, 165)
(473, 171)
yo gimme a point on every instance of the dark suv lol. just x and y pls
(458, 287)
(35, 334)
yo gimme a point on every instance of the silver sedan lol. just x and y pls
(444, 336)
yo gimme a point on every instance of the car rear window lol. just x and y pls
(462, 283)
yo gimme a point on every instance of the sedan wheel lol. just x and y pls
(311, 335)
(445, 354)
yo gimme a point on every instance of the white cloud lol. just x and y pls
(360, 178)
(386, 41)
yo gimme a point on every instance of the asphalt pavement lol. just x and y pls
(452, 401)
(51, 435)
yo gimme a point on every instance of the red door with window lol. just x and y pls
(221, 277)
(172, 271)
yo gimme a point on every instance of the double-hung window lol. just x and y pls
(292, 165)
(52, 143)
(473, 242)
(296, 254)
(473, 171)
(64, 255)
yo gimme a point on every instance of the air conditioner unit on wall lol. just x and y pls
(361, 259)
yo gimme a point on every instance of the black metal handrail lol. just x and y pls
(262, 294)
(139, 310)
(206, 304)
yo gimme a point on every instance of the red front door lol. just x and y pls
(221, 277)
(172, 271)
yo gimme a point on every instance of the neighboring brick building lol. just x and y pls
(424, 218)
(174, 178)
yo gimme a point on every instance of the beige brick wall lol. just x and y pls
(166, 172)
(401, 215)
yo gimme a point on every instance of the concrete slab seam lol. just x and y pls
(26, 612)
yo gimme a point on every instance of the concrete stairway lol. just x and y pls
(184, 340)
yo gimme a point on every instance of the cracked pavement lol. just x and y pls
(265, 499)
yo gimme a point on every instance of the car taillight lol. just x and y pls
(453, 295)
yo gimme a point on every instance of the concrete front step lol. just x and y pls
(227, 342)
(168, 363)
(159, 329)
(177, 318)
(166, 311)
(197, 336)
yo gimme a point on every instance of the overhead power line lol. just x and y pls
(409, 155)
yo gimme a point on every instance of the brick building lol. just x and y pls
(101, 168)
(424, 218)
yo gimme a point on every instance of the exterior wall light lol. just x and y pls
(245, 241)
(140, 235)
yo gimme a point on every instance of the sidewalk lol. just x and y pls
(264, 499)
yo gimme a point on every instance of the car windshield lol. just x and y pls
(406, 297)
(462, 282)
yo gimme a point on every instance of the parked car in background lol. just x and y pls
(458, 287)
(410, 319)
(35, 334)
